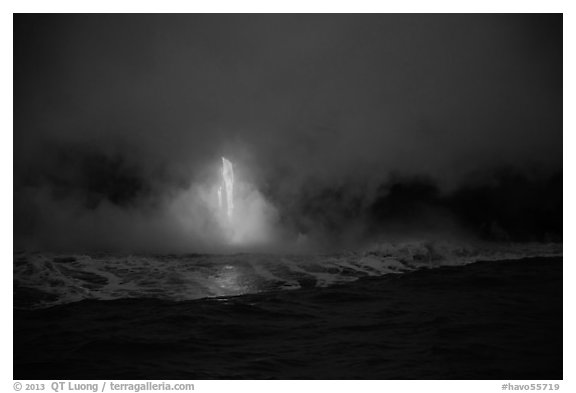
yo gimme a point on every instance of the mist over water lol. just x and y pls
(341, 129)
(307, 196)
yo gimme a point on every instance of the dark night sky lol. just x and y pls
(350, 125)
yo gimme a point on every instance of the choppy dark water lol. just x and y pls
(487, 320)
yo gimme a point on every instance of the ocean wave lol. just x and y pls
(45, 280)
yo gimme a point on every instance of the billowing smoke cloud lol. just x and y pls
(343, 126)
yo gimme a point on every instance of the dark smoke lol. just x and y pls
(353, 126)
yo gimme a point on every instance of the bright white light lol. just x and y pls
(226, 210)
(228, 176)
(244, 216)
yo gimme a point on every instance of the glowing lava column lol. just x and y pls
(228, 176)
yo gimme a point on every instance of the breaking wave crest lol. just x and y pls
(45, 280)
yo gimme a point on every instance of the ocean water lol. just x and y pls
(416, 310)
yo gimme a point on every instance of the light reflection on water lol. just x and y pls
(45, 280)
(231, 281)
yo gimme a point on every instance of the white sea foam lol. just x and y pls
(59, 279)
